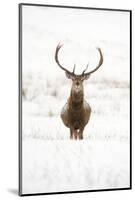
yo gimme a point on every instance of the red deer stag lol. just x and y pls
(76, 112)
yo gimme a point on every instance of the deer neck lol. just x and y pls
(76, 99)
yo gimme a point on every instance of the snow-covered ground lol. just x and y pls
(51, 161)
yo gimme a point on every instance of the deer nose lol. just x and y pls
(77, 83)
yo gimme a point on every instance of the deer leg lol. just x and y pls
(71, 134)
(75, 134)
(81, 134)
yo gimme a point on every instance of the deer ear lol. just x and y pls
(68, 75)
(86, 77)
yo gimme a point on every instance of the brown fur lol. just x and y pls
(76, 113)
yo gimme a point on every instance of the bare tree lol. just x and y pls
(76, 112)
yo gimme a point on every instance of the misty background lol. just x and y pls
(51, 161)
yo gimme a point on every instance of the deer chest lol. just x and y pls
(76, 118)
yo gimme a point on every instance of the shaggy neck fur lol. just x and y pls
(76, 98)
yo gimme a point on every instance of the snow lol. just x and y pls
(51, 161)
(70, 165)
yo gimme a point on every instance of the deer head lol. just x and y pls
(77, 80)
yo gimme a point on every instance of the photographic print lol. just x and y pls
(74, 99)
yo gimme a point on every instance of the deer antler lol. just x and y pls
(73, 73)
(99, 64)
(57, 60)
(83, 73)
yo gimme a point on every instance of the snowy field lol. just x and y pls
(51, 161)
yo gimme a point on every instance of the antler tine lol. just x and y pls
(85, 69)
(99, 64)
(74, 69)
(57, 60)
